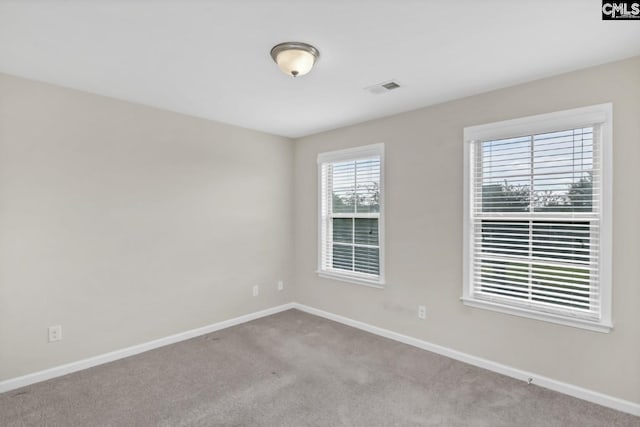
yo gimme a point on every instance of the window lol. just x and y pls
(538, 217)
(351, 215)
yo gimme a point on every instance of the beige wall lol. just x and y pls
(125, 223)
(424, 233)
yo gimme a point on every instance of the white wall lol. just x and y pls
(424, 155)
(125, 223)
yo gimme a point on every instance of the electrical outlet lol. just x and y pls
(280, 285)
(422, 312)
(55, 333)
(256, 290)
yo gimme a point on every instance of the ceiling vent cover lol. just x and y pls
(383, 87)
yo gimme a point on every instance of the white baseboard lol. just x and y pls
(569, 389)
(565, 388)
(57, 371)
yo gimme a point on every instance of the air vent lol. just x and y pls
(383, 87)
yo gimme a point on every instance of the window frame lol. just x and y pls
(531, 125)
(351, 154)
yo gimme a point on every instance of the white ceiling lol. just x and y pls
(211, 58)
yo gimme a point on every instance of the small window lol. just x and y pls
(537, 217)
(351, 215)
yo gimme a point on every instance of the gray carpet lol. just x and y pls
(294, 369)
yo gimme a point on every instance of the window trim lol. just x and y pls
(344, 155)
(573, 118)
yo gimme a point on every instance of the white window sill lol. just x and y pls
(533, 314)
(379, 284)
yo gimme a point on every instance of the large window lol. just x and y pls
(537, 217)
(351, 215)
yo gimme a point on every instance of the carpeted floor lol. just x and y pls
(294, 369)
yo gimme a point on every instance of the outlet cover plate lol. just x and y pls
(55, 333)
(422, 312)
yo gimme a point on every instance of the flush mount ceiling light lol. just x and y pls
(294, 58)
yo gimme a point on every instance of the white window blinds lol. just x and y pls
(350, 214)
(536, 222)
